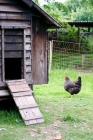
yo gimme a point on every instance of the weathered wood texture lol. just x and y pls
(13, 40)
(39, 52)
(13, 15)
(25, 102)
(0, 57)
(23, 35)
(4, 93)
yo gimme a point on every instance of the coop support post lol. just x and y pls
(50, 61)
(79, 38)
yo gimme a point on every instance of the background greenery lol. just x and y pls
(70, 10)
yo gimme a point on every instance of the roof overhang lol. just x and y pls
(81, 24)
(51, 22)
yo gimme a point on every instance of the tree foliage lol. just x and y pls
(71, 10)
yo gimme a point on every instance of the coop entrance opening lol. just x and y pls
(12, 68)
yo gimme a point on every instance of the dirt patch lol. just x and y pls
(48, 132)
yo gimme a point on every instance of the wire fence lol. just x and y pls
(70, 55)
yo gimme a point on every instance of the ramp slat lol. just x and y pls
(27, 106)
(18, 88)
(20, 94)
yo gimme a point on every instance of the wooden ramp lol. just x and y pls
(24, 100)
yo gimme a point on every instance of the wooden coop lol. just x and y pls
(23, 54)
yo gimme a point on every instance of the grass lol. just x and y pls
(70, 117)
(72, 60)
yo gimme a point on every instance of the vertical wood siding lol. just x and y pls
(39, 52)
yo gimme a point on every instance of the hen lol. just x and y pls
(72, 87)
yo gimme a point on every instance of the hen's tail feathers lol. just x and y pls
(78, 81)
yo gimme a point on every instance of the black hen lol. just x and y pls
(72, 87)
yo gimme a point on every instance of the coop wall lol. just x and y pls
(14, 16)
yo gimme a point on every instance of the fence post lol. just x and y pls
(51, 49)
(83, 59)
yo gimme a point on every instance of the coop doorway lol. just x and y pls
(12, 68)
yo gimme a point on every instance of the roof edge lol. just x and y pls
(31, 4)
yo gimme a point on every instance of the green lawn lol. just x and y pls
(69, 117)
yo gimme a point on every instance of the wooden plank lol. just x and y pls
(28, 115)
(25, 114)
(0, 45)
(39, 53)
(14, 85)
(28, 30)
(28, 38)
(36, 111)
(27, 106)
(28, 47)
(28, 62)
(13, 39)
(16, 81)
(0, 71)
(14, 8)
(37, 121)
(29, 81)
(7, 1)
(21, 94)
(14, 46)
(4, 93)
(40, 120)
(0, 56)
(24, 58)
(30, 100)
(12, 24)
(3, 70)
(2, 84)
(18, 88)
(22, 100)
(13, 54)
(15, 16)
(0, 38)
(28, 55)
(14, 32)
(0, 62)
(0, 77)
(30, 122)
(28, 68)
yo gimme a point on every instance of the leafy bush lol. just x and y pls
(69, 34)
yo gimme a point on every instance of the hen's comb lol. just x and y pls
(66, 77)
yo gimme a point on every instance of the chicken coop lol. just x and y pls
(23, 53)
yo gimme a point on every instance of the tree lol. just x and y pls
(36, 1)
